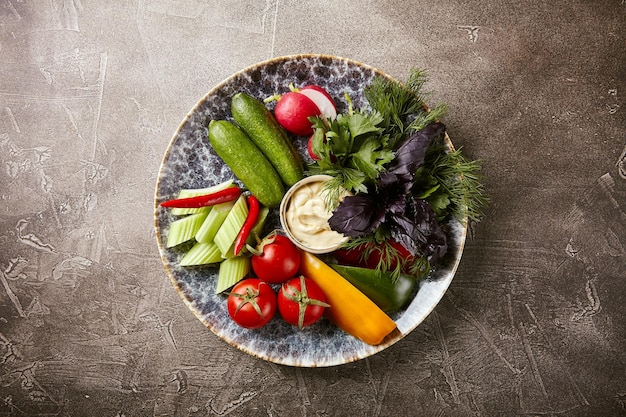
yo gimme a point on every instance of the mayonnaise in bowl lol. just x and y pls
(304, 216)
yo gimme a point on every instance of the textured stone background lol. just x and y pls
(90, 95)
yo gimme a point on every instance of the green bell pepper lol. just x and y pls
(386, 292)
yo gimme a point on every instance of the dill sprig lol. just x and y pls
(452, 184)
(402, 105)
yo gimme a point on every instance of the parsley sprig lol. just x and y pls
(353, 148)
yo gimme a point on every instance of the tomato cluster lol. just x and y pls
(253, 302)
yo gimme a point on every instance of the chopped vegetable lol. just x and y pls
(184, 229)
(202, 254)
(227, 233)
(349, 308)
(228, 194)
(253, 214)
(232, 270)
(214, 221)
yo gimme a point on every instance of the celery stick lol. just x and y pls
(227, 233)
(213, 222)
(184, 229)
(232, 270)
(202, 254)
(255, 234)
(194, 192)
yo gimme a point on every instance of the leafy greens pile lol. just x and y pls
(405, 180)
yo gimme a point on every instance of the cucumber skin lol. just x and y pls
(263, 129)
(246, 161)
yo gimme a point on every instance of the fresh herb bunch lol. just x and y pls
(405, 180)
(353, 148)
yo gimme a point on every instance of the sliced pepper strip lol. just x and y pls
(349, 309)
(223, 196)
(254, 208)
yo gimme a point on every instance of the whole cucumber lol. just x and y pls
(261, 125)
(246, 161)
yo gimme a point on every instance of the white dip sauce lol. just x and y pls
(307, 217)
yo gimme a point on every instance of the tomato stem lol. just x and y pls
(301, 297)
(248, 298)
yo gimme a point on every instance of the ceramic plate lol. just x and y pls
(190, 162)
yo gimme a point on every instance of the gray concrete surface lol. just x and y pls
(90, 95)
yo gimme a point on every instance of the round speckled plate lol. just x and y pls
(190, 162)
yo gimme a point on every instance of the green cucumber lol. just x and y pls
(232, 270)
(246, 161)
(184, 229)
(263, 129)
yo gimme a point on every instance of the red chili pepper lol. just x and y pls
(223, 196)
(253, 215)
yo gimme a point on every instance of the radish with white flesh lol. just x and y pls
(322, 100)
(294, 108)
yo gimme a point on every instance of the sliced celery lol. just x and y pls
(185, 229)
(256, 231)
(232, 270)
(202, 254)
(194, 192)
(254, 235)
(213, 222)
(227, 233)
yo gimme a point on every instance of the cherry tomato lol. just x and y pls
(276, 259)
(301, 302)
(252, 303)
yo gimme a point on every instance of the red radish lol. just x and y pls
(309, 148)
(294, 109)
(322, 99)
(313, 155)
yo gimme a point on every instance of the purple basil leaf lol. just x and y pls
(357, 215)
(420, 232)
(392, 191)
(410, 155)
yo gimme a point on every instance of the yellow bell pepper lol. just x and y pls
(349, 309)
